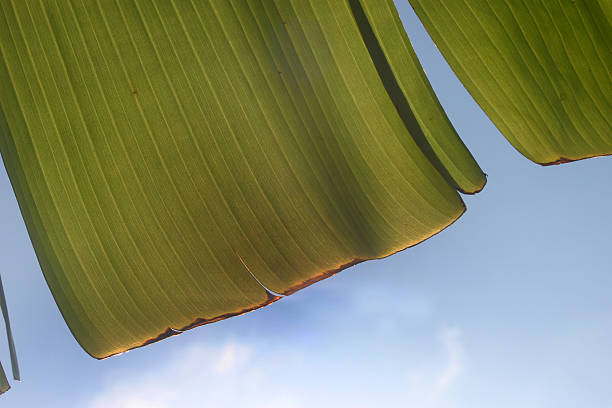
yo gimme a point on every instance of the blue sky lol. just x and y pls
(509, 307)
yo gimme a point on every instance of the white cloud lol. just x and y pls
(451, 339)
(430, 388)
(232, 356)
(240, 375)
(199, 376)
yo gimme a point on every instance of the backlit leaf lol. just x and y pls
(176, 162)
(540, 69)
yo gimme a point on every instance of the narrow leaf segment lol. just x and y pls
(4, 384)
(173, 159)
(541, 69)
(9, 334)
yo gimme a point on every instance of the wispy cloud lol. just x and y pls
(430, 386)
(239, 375)
(200, 376)
(451, 339)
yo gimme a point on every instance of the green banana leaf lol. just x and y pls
(4, 384)
(178, 162)
(540, 69)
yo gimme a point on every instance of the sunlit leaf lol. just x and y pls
(178, 161)
(541, 69)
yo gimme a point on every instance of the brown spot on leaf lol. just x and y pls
(562, 160)
(169, 332)
(200, 321)
(321, 276)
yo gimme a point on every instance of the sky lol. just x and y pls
(508, 307)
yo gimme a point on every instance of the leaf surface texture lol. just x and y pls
(176, 162)
(540, 69)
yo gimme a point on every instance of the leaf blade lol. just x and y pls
(169, 156)
(414, 97)
(540, 70)
(4, 384)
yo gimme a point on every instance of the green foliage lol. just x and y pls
(4, 384)
(181, 162)
(540, 69)
(177, 162)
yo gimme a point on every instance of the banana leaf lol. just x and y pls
(540, 69)
(179, 162)
(4, 384)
